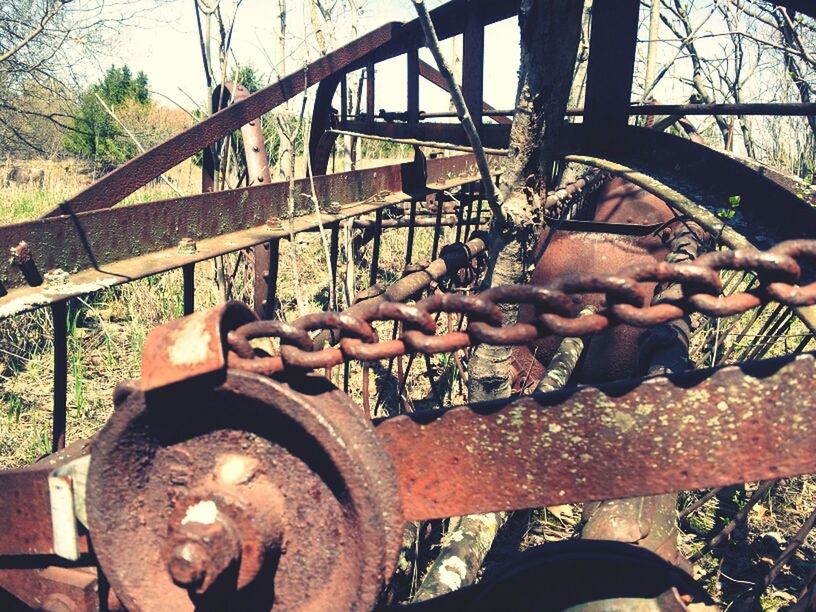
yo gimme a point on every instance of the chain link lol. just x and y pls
(557, 305)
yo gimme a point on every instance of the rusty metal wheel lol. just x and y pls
(253, 494)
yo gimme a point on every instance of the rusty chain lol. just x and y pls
(557, 304)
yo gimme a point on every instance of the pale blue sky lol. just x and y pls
(166, 47)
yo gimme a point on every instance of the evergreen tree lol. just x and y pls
(96, 136)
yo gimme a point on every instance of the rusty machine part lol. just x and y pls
(242, 496)
(231, 479)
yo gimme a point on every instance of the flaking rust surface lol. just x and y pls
(694, 430)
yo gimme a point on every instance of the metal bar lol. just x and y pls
(739, 517)
(437, 226)
(479, 204)
(774, 334)
(375, 248)
(785, 109)
(736, 424)
(220, 222)
(25, 506)
(370, 102)
(334, 254)
(699, 503)
(610, 69)
(344, 96)
(790, 109)
(468, 199)
(188, 278)
(409, 247)
(59, 315)
(473, 67)
(765, 332)
(413, 86)
(447, 221)
(793, 545)
(494, 137)
(267, 257)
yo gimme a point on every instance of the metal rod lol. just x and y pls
(375, 249)
(344, 95)
(739, 517)
(413, 85)
(370, 110)
(409, 247)
(437, 226)
(447, 221)
(467, 191)
(266, 278)
(459, 220)
(473, 66)
(59, 314)
(766, 332)
(793, 545)
(699, 503)
(785, 109)
(479, 204)
(188, 277)
(334, 253)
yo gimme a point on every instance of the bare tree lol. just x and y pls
(40, 43)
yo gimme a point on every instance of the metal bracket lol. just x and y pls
(66, 487)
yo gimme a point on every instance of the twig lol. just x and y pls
(491, 193)
(135, 140)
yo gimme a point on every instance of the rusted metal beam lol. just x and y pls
(493, 136)
(93, 244)
(641, 437)
(59, 316)
(611, 66)
(789, 109)
(768, 213)
(473, 67)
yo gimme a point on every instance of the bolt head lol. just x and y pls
(187, 245)
(188, 565)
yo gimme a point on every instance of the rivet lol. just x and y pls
(187, 246)
(56, 278)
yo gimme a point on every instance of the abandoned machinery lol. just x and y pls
(235, 475)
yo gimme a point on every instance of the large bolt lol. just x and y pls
(204, 548)
(188, 565)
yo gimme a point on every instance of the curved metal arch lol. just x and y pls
(768, 213)
(321, 141)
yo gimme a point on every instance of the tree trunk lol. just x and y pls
(548, 51)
